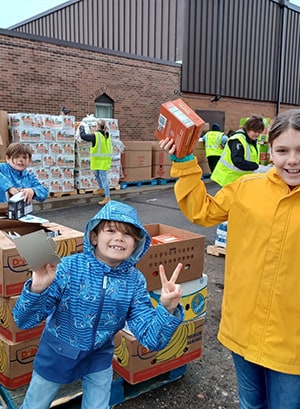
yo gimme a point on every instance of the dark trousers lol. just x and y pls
(212, 161)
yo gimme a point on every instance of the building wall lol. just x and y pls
(150, 28)
(39, 77)
(234, 108)
(235, 49)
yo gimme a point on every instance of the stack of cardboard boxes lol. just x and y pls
(51, 138)
(170, 246)
(18, 347)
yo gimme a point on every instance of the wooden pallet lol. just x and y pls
(138, 183)
(94, 191)
(120, 391)
(216, 250)
(14, 398)
(166, 181)
(61, 194)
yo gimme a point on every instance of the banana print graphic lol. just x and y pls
(178, 344)
(66, 247)
(3, 358)
(121, 352)
(4, 315)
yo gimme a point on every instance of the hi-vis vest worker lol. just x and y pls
(213, 143)
(101, 152)
(226, 172)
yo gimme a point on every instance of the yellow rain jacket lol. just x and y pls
(261, 302)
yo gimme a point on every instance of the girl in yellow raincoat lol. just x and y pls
(261, 303)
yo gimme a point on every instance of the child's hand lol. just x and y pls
(42, 278)
(170, 291)
(168, 145)
(28, 194)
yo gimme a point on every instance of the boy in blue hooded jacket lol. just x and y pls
(86, 299)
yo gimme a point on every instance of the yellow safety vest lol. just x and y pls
(225, 171)
(213, 143)
(101, 153)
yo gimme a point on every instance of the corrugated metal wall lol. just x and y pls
(237, 48)
(245, 49)
(150, 28)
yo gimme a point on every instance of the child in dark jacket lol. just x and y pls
(86, 299)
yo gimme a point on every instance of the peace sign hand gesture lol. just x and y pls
(170, 291)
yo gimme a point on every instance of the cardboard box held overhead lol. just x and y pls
(189, 251)
(178, 121)
(136, 363)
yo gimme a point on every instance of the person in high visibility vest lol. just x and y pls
(241, 153)
(100, 156)
(214, 141)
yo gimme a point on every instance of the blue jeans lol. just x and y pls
(102, 180)
(95, 387)
(263, 388)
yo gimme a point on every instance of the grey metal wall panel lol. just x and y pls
(291, 66)
(150, 28)
(239, 48)
(233, 48)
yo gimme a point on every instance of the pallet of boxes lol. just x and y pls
(18, 347)
(169, 246)
(52, 141)
(84, 179)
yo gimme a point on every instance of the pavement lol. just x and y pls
(74, 198)
(59, 200)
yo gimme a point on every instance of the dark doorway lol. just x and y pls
(212, 117)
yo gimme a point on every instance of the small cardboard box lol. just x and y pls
(136, 363)
(161, 162)
(189, 251)
(16, 362)
(199, 151)
(178, 121)
(15, 269)
(164, 238)
(136, 161)
(8, 328)
(18, 208)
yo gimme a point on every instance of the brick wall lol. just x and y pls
(234, 108)
(39, 77)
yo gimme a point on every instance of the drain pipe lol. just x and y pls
(281, 53)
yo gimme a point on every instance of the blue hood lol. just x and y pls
(118, 211)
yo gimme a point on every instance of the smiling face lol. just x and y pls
(253, 134)
(19, 162)
(112, 245)
(285, 154)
